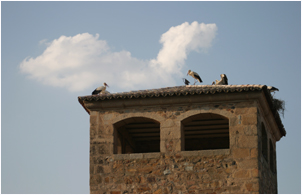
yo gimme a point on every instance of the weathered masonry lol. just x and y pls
(186, 139)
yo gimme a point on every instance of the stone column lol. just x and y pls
(170, 136)
(244, 148)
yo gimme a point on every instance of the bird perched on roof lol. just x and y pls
(223, 80)
(195, 76)
(272, 89)
(99, 90)
(186, 81)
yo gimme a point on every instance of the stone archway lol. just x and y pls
(136, 135)
(205, 131)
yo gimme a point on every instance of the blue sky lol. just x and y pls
(53, 52)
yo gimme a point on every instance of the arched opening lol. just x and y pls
(206, 131)
(136, 135)
(264, 146)
(272, 156)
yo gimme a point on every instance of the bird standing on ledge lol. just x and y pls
(195, 76)
(223, 80)
(100, 89)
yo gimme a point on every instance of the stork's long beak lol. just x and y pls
(106, 85)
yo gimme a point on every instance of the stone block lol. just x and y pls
(242, 174)
(93, 126)
(93, 149)
(95, 179)
(128, 180)
(107, 117)
(93, 120)
(189, 153)
(157, 172)
(228, 170)
(131, 170)
(145, 169)
(241, 152)
(169, 146)
(248, 164)
(105, 131)
(234, 121)
(247, 141)
(94, 113)
(143, 189)
(246, 110)
(152, 155)
(121, 156)
(168, 123)
(103, 148)
(99, 169)
(235, 190)
(106, 169)
(214, 184)
(249, 119)
(250, 129)
(255, 173)
(254, 153)
(252, 186)
(159, 191)
(169, 133)
(136, 156)
(167, 172)
(189, 168)
(151, 179)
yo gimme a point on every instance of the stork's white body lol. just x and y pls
(223, 80)
(100, 90)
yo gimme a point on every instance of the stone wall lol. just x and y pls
(267, 174)
(211, 171)
(268, 179)
(173, 170)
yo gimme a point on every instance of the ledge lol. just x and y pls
(136, 156)
(206, 152)
(182, 153)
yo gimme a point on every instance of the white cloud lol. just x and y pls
(83, 61)
(180, 40)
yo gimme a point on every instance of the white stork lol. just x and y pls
(223, 80)
(99, 90)
(195, 76)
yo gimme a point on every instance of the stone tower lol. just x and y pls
(185, 139)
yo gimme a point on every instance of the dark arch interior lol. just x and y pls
(206, 131)
(137, 135)
(272, 157)
(264, 142)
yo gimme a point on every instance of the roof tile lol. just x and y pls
(174, 91)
